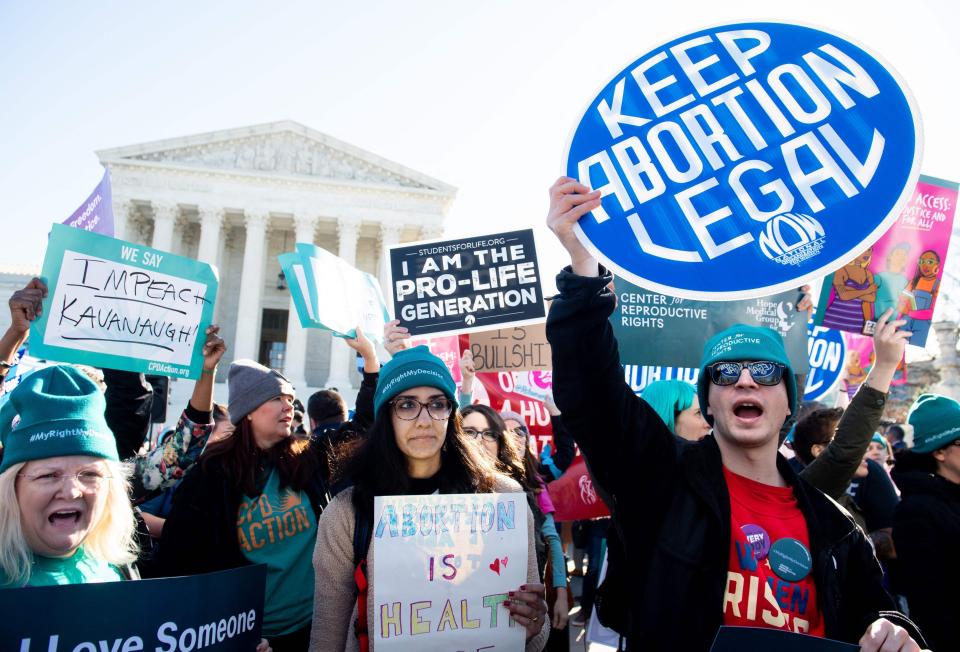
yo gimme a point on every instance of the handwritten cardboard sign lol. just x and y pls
(121, 305)
(520, 348)
(466, 285)
(443, 567)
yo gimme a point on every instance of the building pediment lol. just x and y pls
(276, 149)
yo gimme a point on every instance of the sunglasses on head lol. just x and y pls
(763, 372)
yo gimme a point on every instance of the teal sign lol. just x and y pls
(330, 294)
(655, 330)
(121, 305)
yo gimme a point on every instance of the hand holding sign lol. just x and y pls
(363, 346)
(395, 337)
(213, 349)
(27, 304)
(569, 201)
(528, 606)
(468, 372)
(889, 344)
(884, 635)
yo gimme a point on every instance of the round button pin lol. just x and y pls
(790, 560)
(758, 539)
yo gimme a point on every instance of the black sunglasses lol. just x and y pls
(763, 372)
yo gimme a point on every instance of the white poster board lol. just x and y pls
(443, 567)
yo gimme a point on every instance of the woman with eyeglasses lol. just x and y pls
(415, 446)
(509, 450)
(65, 517)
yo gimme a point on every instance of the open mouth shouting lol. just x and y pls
(747, 411)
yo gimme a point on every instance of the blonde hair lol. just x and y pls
(112, 539)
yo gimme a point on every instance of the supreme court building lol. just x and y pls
(238, 198)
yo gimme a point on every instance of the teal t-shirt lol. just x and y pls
(76, 569)
(279, 529)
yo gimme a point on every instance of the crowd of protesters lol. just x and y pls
(846, 530)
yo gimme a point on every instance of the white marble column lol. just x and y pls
(211, 222)
(251, 287)
(431, 232)
(164, 218)
(341, 355)
(121, 209)
(295, 364)
(389, 236)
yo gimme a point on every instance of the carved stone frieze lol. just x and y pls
(282, 153)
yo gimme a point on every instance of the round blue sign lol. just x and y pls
(827, 351)
(745, 159)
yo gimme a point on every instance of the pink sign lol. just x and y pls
(902, 271)
(446, 348)
(859, 362)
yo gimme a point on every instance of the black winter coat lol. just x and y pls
(926, 535)
(669, 500)
(200, 535)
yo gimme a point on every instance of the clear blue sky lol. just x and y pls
(480, 95)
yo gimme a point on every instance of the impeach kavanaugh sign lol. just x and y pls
(739, 161)
(467, 285)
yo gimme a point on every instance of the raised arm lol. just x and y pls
(25, 306)
(833, 469)
(614, 428)
(363, 410)
(167, 463)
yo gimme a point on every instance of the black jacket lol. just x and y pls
(926, 534)
(200, 535)
(670, 504)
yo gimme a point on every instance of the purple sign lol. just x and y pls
(96, 213)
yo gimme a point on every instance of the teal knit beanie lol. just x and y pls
(415, 367)
(61, 413)
(740, 343)
(936, 422)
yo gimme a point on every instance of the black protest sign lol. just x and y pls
(761, 639)
(468, 284)
(215, 612)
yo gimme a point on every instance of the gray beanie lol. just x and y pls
(250, 385)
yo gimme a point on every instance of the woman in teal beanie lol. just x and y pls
(676, 403)
(65, 515)
(415, 446)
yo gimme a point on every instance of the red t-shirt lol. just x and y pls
(767, 527)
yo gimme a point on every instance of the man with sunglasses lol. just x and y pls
(719, 531)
